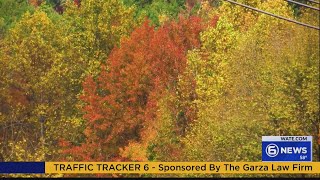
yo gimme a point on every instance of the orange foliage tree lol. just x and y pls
(122, 100)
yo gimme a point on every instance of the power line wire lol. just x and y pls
(274, 15)
(313, 1)
(304, 5)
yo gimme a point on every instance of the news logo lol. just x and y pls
(287, 148)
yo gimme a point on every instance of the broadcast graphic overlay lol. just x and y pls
(287, 148)
(159, 168)
(280, 155)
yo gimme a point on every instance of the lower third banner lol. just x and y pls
(161, 167)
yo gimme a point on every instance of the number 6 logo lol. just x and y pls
(272, 150)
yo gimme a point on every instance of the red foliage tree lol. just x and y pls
(77, 2)
(122, 100)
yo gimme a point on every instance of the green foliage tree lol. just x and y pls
(96, 27)
(11, 12)
(158, 11)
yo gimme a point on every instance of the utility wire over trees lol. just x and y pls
(312, 1)
(304, 5)
(274, 15)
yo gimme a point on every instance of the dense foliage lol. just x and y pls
(178, 80)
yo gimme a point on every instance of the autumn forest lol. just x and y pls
(155, 80)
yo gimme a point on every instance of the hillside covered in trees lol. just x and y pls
(154, 80)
